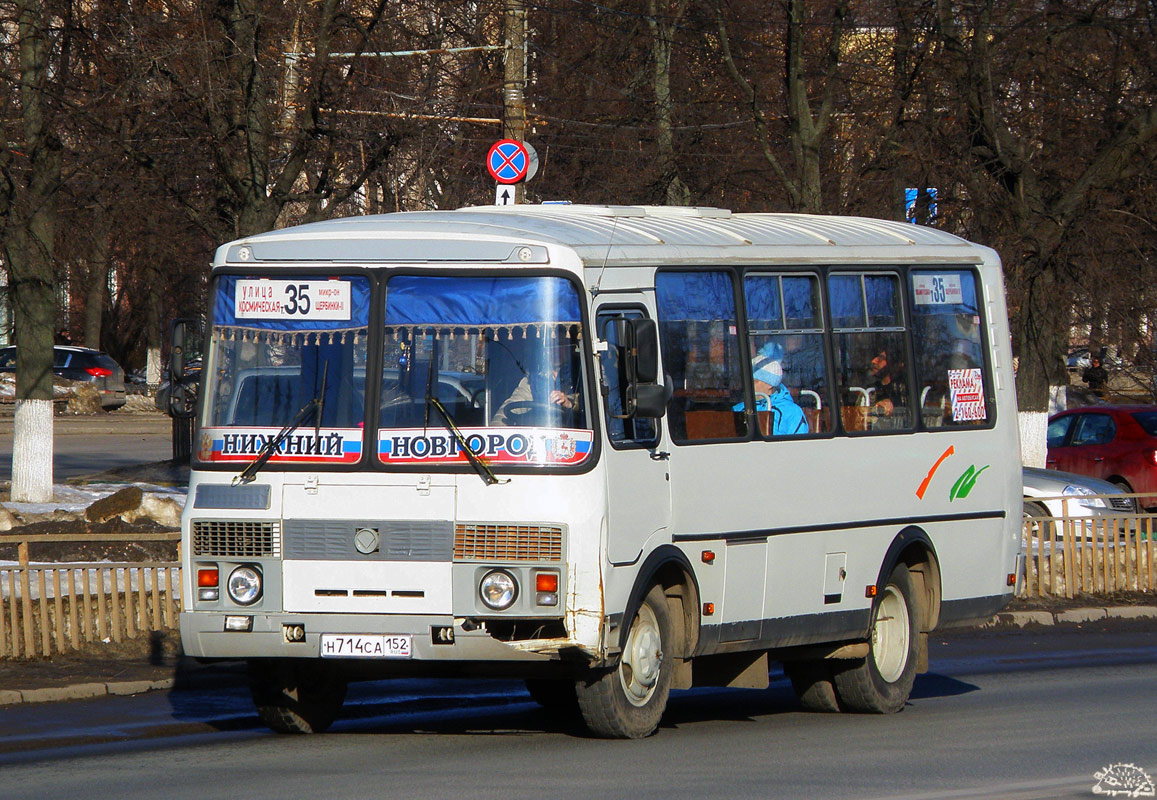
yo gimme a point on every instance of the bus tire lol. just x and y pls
(628, 700)
(882, 682)
(812, 682)
(556, 695)
(296, 696)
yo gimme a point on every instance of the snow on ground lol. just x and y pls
(78, 498)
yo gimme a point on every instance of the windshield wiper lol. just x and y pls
(317, 403)
(480, 466)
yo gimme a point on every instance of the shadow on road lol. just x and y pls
(934, 685)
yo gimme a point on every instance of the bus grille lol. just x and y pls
(236, 539)
(480, 542)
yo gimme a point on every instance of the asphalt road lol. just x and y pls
(86, 445)
(1013, 715)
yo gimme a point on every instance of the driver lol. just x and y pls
(550, 389)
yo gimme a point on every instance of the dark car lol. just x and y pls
(81, 364)
(1116, 443)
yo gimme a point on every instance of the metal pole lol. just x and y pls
(514, 83)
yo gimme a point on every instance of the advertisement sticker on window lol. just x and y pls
(966, 387)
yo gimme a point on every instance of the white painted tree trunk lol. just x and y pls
(1033, 447)
(32, 452)
(153, 368)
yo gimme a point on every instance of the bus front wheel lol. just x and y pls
(628, 700)
(296, 696)
(882, 682)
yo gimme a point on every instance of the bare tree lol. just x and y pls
(805, 128)
(31, 179)
(1044, 147)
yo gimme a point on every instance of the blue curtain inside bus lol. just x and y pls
(473, 302)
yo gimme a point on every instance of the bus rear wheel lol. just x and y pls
(628, 700)
(296, 696)
(882, 682)
(812, 682)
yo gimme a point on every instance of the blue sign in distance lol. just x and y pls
(508, 161)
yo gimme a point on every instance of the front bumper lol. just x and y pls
(203, 635)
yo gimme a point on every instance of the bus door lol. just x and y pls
(638, 483)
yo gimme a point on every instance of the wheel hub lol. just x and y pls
(642, 660)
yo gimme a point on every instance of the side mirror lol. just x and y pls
(178, 336)
(637, 341)
(646, 345)
(651, 399)
(181, 399)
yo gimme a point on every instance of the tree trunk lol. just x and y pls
(97, 279)
(29, 248)
(675, 191)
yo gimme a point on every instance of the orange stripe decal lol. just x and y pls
(928, 478)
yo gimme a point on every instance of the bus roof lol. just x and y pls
(599, 235)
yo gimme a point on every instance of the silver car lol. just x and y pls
(1049, 493)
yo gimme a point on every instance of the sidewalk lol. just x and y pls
(1071, 616)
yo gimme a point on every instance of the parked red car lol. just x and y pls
(1114, 443)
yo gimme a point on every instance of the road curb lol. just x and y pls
(87, 691)
(1020, 619)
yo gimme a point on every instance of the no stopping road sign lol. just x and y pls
(508, 161)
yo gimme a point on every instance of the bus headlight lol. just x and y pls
(245, 586)
(498, 589)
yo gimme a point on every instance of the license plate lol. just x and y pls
(365, 645)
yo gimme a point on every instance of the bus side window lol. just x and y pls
(952, 384)
(785, 324)
(698, 329)
(871, 351)
(639, 430)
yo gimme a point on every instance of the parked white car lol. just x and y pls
(1049, 493)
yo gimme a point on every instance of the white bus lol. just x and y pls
(614, 451)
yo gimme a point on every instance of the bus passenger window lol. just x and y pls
(949, 353)
(871, 353)
(789, 362)
(699, 335)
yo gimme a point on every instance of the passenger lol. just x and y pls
(787, 418)
(887, 393)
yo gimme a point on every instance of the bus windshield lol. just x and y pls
(276, 345)
(488, 363)
(501, 356)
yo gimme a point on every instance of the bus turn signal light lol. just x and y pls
(546, 588)
(870, 591)
(708, 556)
(207, 584)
